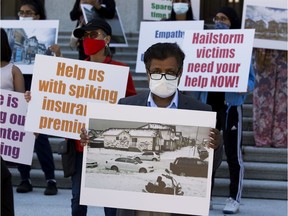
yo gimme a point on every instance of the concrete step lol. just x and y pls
(263, 155)
(247, 123)
(57, 162)
(254, 189)
(125, 55)
(247, 110)
(269, 155)
(257, 171)
(248, 138)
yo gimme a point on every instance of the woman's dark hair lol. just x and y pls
(37, 6)
(232, 15)
(6, 51)
(189, 14)
(162, 51)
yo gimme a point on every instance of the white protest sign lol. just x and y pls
(269, 19)
(162, 31)
(161, 9)
(217, 60)
(28, 38)
(16, 144)
(123, 184)
(156, 9)
(61, 88)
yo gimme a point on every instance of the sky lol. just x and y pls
(44, 35)
(266, 13)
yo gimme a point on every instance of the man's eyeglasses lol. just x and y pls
(28, 13)
(220, 19)
(157, 75)
(92, 35)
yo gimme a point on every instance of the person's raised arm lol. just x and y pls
(76, 12)
(108, 9)
(105, 8)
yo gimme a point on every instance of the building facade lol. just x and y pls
(131, 11)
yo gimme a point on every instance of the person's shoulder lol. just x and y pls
(137, 100)
(16, 70)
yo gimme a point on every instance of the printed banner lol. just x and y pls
(16, 144)
(217, 60)
(61, 88)
(136, 157)
(28, 38)
(163, 31)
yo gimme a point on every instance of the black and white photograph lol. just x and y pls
(152, 158)
(143, 153)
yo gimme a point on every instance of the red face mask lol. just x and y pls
(92, 46)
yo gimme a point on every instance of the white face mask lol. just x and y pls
(163, 88)
(180, 8)
(25, 18)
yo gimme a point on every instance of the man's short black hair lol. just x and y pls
(162, 51)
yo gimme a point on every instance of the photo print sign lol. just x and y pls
(269, 19)
(132, 147)
(29, 38)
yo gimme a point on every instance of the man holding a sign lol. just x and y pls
(164, 65)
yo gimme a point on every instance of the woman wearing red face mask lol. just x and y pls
(95, 36)
(104, 9)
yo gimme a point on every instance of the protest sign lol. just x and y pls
(161, 9)
(28, 38)
(164, 31)
(119, 181)
(61, 88)
(16, 144)
(269, 19)
(217, 60)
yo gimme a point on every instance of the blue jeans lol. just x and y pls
(44, 153)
